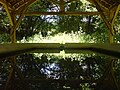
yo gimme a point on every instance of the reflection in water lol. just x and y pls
(51, 72)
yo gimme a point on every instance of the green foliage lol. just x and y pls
(4, 38)
(40, 5)
(4, 27)
(75, 6)
(4, 23)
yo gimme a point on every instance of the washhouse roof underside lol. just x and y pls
(107, 9)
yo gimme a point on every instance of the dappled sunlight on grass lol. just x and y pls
(60, 38)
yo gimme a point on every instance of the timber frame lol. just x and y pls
(107, 9)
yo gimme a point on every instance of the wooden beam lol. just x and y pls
(17, 22)
(108, 24)
(28, 3)
(98, 1)
(17, 6)
(7, 10)
(113, 76)
(24, 8)
(115, 14)
(15, 49)
(103, 4)
(7, 4)
(24, 4)
(62, 7)
(13, 31)
(2, 1)
(112, 16)
(58, 13)
(13, 37)
(10, 78)
(16, 3)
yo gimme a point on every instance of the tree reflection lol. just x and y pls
(50, 72)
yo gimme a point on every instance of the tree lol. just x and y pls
(4, 26)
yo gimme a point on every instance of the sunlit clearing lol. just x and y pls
(61, 38)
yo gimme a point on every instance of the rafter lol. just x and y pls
(113, 75)
(7, 10)
(6, 4)
(115, 14)
(26, 3)
(17, 22)
(102, 4)
(20, 4)
(16, 3)
(107, 22)
(24, 8)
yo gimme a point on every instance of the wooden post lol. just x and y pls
(111, 36)
(111, 41)
(14, 25)
(62, 7)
